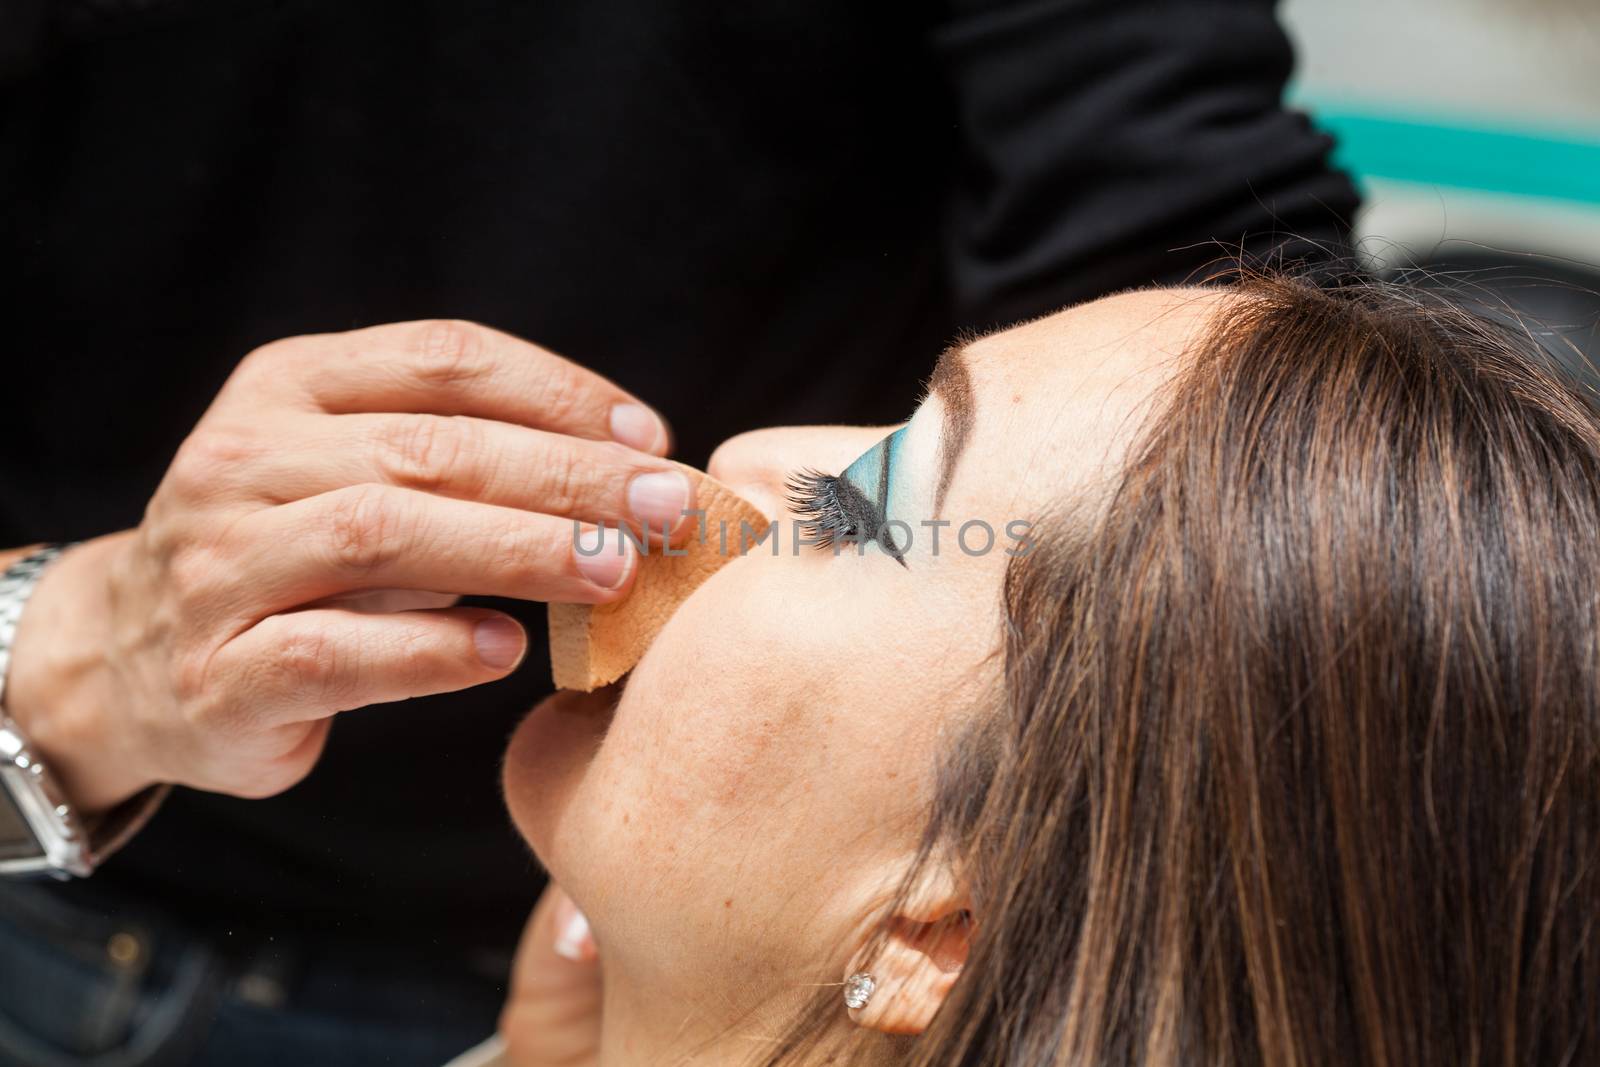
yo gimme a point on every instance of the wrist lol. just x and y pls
(57, 687)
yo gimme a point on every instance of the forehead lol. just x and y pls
(1059, 399)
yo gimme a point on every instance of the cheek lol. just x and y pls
(777, 740)
(721, 718)
(691, 814)
(700, 731)
(771, 716)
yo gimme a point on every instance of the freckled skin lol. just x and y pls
(777, 744)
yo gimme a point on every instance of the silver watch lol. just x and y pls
(39, 831)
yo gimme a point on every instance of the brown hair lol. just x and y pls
(1299, 755)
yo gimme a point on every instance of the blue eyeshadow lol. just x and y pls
(876, 474)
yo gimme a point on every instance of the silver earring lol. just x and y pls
(858, 989)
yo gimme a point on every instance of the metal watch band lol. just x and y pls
(71, 845)
(16, 586)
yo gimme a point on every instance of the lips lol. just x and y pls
(559, 736)
(599, 707)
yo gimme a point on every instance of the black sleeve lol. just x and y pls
(21, 31)
(1110, 143)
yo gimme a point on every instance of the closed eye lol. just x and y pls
(833, 510)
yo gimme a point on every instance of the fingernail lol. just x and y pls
(659, 499)
(604, 556)
(574, 940)
(638, 427)
(499, 642)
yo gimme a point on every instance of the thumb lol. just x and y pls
(553, 1013)
(572, 939)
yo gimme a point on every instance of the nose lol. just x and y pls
(756, 464)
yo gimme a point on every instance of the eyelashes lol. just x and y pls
(832, 511)
(852, 506)
(820, 500)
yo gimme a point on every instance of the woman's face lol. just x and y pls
(732, 826)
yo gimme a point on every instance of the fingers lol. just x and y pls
(477, 459)
(573, 940)
(557, 928)
(380, 537)
(451, 368)
(306, 665)
(553, 1012)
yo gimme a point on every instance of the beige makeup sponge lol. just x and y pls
(594, 645)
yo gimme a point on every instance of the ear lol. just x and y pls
(916, 957)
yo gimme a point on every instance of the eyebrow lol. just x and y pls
(952, 383)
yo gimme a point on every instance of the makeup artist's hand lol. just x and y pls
(303, 551)
(553, 1013)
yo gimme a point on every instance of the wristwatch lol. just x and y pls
(40, 833)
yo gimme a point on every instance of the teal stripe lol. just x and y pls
(1502, 161)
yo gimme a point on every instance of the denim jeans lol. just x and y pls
(98, 987)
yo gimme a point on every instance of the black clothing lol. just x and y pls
(747, 212)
